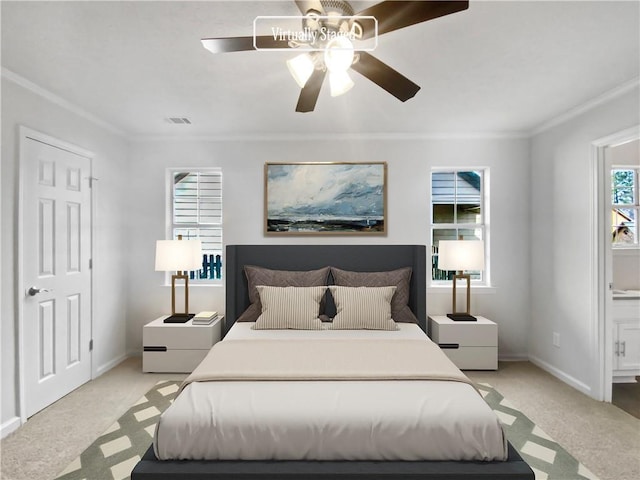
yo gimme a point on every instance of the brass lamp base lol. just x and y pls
(184, 276)
(462, 316)
(179, 318)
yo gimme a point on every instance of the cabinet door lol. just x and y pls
(629, 346)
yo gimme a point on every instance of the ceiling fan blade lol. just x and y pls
(239, 44)
(386, 77)
(309, 94)
(305, 6)
(393, 15)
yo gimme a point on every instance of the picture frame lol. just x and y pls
(325, 198)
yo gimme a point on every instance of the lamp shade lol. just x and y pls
(461, 255)
(178, 255)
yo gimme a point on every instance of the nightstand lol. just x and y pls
(177, 347)
(470, 345)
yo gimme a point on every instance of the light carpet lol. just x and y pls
(114, 454)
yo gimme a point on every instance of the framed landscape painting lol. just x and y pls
(325, 198)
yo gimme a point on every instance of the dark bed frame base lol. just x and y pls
(150, 468)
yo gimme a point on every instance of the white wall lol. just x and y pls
(562, 274)
(409, 164)
(22, 107)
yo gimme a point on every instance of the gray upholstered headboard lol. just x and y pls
(363, 258)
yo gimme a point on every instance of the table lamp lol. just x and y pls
(179, 256)
(460, 255)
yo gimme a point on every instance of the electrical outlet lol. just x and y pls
(556, 339)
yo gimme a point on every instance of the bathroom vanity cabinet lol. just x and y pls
(626, 336)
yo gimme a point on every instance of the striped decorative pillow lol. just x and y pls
(363, 308)
(289, 308)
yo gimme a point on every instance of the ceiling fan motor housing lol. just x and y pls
(337, 6)
(332, 21)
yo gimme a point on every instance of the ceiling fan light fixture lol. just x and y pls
(338, 54)
(340, 82)
(328, 29)
(301, 68)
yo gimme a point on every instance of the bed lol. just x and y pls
(316, 450)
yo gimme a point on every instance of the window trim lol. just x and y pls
(484, 284)
(169, 225)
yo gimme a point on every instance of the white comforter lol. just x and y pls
(330, 419)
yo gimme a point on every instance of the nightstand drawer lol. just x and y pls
(470, 345)
(481, 333)
(172, 361)
(473, 358)
(177, 336)
(177, 347)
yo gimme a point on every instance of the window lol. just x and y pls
(196, 212)
(625, 207)
(457, 211)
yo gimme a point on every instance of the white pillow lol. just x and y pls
(289, 308)
(363, 308)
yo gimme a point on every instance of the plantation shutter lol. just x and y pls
(197, 213)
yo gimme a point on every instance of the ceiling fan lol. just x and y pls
(329, 29)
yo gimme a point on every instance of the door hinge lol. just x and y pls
(90, 263)
(91, 345)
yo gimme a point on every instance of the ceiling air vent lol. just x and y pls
(179, 120)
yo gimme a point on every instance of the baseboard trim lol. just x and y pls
(10, 426)
(109, 365)
(559, 374)
(518, 357)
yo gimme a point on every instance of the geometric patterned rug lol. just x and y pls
(547, 459)
(114, 454)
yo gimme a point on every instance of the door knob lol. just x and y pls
(33, 291)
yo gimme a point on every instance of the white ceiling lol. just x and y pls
(498, 67)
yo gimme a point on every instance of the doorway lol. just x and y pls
(603, 254)
(54, 270)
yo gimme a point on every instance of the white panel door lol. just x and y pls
(56, 320)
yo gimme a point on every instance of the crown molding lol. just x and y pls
(585, 107)
(61, 102)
